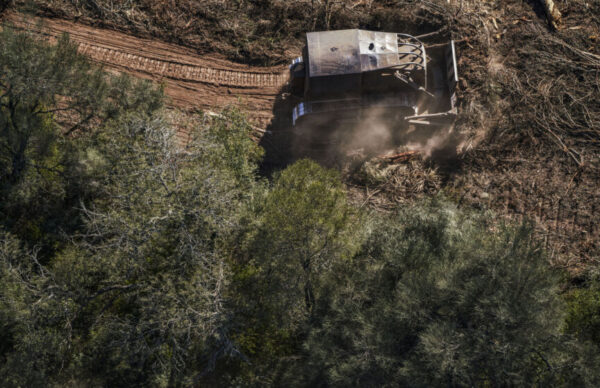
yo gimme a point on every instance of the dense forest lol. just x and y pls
(129, 260)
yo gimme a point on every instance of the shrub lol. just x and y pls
(439, 297)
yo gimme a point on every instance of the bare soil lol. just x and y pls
(192, 81)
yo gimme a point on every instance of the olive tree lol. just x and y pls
(440, 296)
(140, 295)
(48, 92)
(305, 226)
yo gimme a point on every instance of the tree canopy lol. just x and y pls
(48, 92)
(433, 301)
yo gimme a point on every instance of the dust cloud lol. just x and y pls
(378, 133)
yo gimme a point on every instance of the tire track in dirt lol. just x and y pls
(192, 81)
(181, 71)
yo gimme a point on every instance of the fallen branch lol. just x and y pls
(552, 13)
(566, 149)
(430, 34)
(401, 157)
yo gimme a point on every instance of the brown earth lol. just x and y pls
(192, 81)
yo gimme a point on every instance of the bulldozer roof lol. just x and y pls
(350, 52)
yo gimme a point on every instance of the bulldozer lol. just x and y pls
(346, 75)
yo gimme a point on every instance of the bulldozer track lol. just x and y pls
(192, 81)
(175, 70)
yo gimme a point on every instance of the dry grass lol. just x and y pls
(383, 186)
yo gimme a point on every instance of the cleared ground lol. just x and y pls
(206, 82)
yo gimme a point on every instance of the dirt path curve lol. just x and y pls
(205, 82)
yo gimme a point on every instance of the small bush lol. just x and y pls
(583, 317)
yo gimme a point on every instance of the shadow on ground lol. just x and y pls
(342, 143)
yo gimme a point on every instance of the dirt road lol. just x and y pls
(192, 81)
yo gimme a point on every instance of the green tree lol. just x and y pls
(439, 299)
(304, 227)
(140, 296)
(298, 231)
(33, 310)
(48, 92)
(163, 230)
(583, 319)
